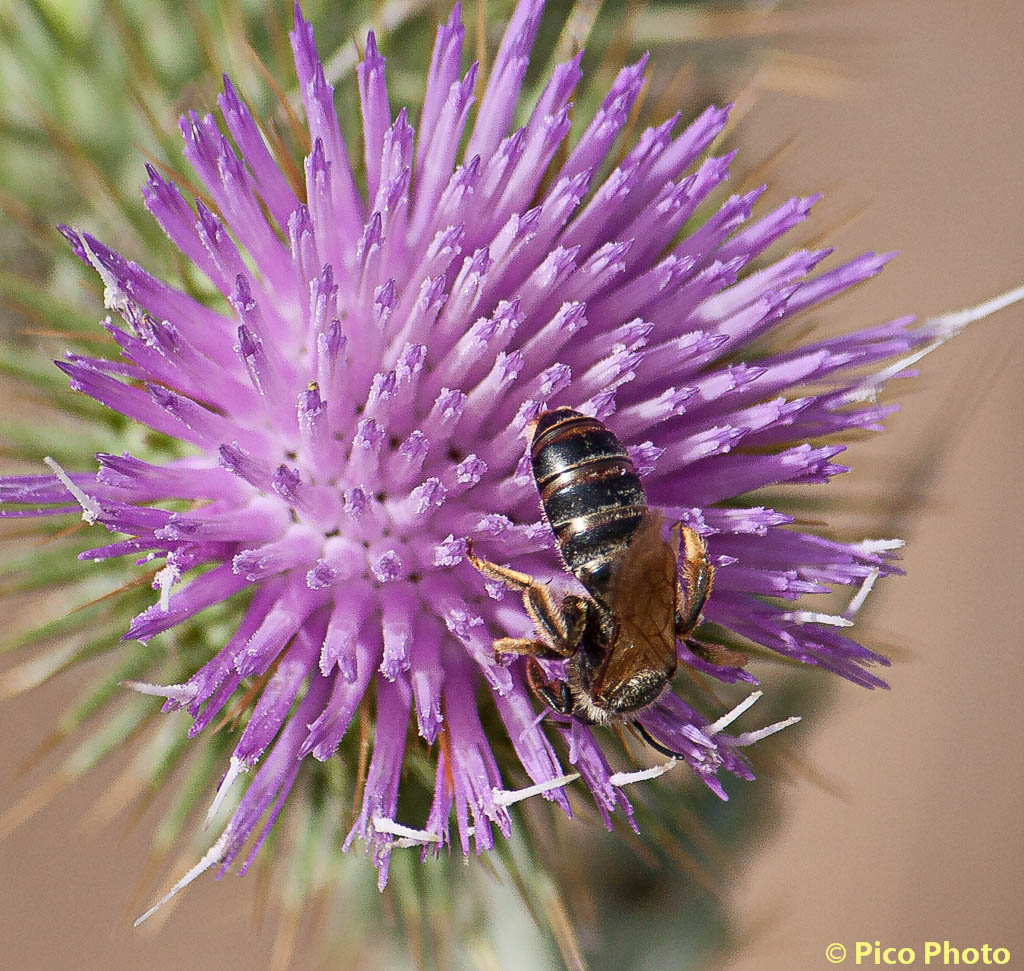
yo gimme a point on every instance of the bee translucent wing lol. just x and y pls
(643, 598)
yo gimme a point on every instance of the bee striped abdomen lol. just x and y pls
(590, 491)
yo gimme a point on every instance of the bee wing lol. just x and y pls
(644, 596)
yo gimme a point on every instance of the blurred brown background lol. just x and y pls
(923, 842)
(926, 842)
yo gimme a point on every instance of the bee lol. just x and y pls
(619, 641)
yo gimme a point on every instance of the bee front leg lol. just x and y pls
(699, 575)
(524, 645)
(575, 611)
(548, 620)
(555, 694)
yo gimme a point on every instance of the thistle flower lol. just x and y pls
(358, 409)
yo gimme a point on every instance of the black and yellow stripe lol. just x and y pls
(590, 492)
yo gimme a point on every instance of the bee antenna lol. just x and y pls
(654, 743)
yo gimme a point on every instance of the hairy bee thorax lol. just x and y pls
(625, 698)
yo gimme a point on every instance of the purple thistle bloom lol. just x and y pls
(361, 408)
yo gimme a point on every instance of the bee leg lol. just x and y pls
(555, 694)
(575, 611)
(547, 618)
(718, 654)
(654, 743)
(508, 576)
(523, 645)
(699, 574)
